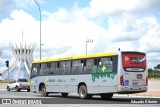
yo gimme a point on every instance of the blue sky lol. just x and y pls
(132, 25)
(55, 5)
(48, 5)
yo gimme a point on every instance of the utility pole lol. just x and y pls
(22, 37)
(40, 24)
(88, 41)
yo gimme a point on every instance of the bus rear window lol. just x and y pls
(134, 61)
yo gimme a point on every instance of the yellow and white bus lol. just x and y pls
(94, 74)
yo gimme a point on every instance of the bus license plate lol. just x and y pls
(135, 83)
(139, 76)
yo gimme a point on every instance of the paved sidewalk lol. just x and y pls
(153, 88)
(3, 85)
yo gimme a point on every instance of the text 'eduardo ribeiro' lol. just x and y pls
(144, 101)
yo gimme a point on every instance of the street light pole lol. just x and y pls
(88, 41)
(86, 47)
(40, 25)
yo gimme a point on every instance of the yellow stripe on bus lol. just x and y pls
(76, 57)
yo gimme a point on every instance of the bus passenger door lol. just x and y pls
(34, 79)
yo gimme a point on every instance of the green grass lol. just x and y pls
(5, 81)
(154, 78)
(8, 81)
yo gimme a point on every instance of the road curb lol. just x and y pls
(144, 96)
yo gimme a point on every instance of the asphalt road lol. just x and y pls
(74, 98)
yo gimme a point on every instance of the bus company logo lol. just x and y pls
(137, 60)
(49, 80)
(126, 58)
(103, 81)
(59, 80)
(74, 79)
(46, 80)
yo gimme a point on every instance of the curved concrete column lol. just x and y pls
(22, 56)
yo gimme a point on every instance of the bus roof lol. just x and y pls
(76, 57)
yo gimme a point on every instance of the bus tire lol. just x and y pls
(83, 94)
(17, 89)
(106, 96)
(8, 89)
(64, 94)
(28, 90)
(43, 91)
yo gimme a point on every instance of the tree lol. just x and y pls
(158, 66)
(150, 73)
(150, 70)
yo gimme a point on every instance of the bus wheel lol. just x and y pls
(107, 96)
(83, 92)
(8, 88)
(28, 90)
(17, 89)
(43, 91)
(64, 94)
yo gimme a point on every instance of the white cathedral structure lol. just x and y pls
(19, 66)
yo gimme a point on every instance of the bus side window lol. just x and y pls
(73, 67)
(56, 67)
(84, 62)
(105, 64)
(95, 61)
(91, 66)
(67, 67)
(77, 66)
(115, 63)
(48, 67)
(52, 68)
(95, 66)
(62, 67)
(43, 70)
(99, 61)
(111, 60)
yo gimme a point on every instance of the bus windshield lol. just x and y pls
(134, 61)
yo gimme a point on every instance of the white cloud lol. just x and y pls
(132, 25)
(8, 5)
(64, 32)
(111, 7)
(115, 7)
(12, 28)
(71, 29)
